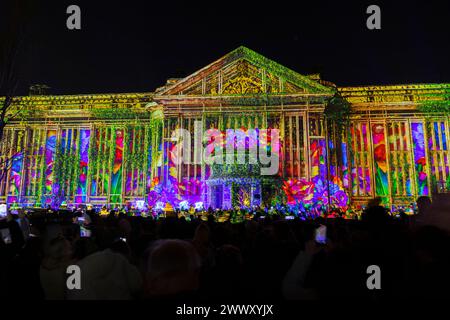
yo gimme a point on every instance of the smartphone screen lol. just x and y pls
(6, 235)
(85, 233)
(321, 234)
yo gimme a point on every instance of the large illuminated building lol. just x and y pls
(117, 148)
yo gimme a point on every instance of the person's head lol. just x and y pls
(124, 226)
(83, 247)
(201, 235)
(376, 216)
(172, 267)
(374, 202)
(423, 204)
(229, 257)
(58, 250)
(10, 217)
(121, 246)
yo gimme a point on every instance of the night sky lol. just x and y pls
(131, 46)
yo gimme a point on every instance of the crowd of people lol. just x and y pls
(124, 256)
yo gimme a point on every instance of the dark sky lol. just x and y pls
(134, 46)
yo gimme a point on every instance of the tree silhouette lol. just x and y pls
(16, 14)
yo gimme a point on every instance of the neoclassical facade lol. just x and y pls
(119, 148)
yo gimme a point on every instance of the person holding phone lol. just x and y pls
(293, 287)
(320, 234)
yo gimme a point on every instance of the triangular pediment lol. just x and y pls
(242, 72)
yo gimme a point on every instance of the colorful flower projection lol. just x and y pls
(116, 177)
(324, 187)
(241, 138)
(345, 174)
(15, 177)
(437, 142)
(318, 156)
(167, 189)
(399, 163)
(360, 172)
(311, 195)
(380, 163)
(420, 157)
(84, 160)
(50, 149)
(135, 160)
(318, 191)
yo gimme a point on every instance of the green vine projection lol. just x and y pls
(436, 106)
(337, 112)
(247, 120)
(93, 156)
(264, 99)
(118, 113)
(235, 170)
(40, 182)
(147, 143)
(272, 192)
(135, 158)
(67, 172)
(112, 146)
(20, 112)
(277, 69)
(234, 194)
(156, 131)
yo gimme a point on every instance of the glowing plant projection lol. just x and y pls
(417, 131)
(318, 192)
(359, 150)
(437, 148)
(136, 162)
(345, 174)
(243, 197)
(191, 189)
(116, 177)
(400, 159)
(84, 161)
(319, 170)
(166, 187)
(380, 163)
(50, 149)
(129, 182)
(299, 191)
(15, 177)
(116, 149)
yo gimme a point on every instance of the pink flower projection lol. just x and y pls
(119, 151)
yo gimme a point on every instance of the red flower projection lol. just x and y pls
(298, 189)
(380, 153)
(155, 182)
(119, 152)
(421, 161)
